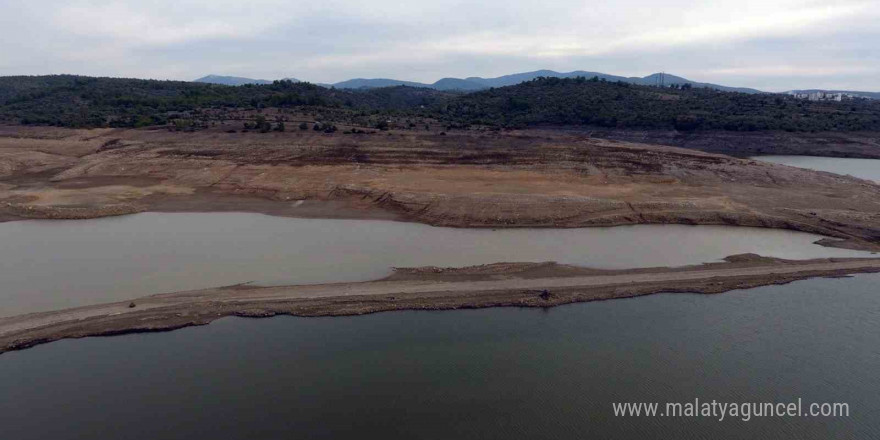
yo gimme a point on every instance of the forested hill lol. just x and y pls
(553, 101)
(76, 101)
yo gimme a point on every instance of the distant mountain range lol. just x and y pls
(870, 95)
(80, 101)
(235, 80)
(476, 83)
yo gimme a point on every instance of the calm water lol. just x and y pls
(496, 373)
(862, 168)
(47, 265)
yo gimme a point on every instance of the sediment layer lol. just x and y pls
(538, 178)
(430, 288)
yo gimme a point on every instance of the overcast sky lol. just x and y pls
(772, 45)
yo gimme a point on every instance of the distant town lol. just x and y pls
(823, 96)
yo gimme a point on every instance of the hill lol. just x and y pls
(476, 83)
(79, 101)
(869, 95)
(363, 83)
(579, 101)
(236, 80)
(230, 80)
(76, 101)
(445, 84)
(459, 84)
(668, 79)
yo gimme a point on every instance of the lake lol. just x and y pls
(472, 374)
(868, 169)
(52, 264)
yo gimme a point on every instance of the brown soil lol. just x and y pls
(535, 178)
(431, 288)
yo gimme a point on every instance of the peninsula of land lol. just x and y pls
(425, 288)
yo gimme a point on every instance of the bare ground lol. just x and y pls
(538, 178)
(427, 288)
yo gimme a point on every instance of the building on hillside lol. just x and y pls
(821, 96)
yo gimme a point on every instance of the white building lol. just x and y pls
(821, 96)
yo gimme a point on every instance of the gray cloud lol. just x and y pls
(773, 45)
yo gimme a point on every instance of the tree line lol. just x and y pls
(77, 101)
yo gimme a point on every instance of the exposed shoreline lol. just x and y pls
(521, 179)
(501, 284)
(353, 209)
(532, 178)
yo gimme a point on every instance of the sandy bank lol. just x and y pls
(503, 284)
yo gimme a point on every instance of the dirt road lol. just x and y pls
(503, 284)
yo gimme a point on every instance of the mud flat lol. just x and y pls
(425, 288)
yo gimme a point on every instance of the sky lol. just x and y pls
(772, 45)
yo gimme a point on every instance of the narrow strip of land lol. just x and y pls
(502, 284)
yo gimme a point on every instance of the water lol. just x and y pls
(48, 265)
(494, 373)
(868, 169)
